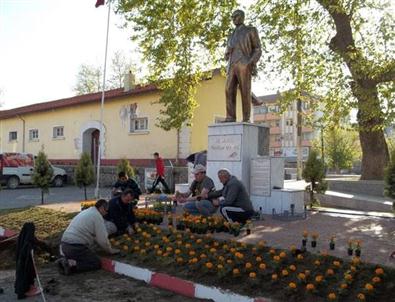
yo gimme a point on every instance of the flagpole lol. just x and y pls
(97, 192)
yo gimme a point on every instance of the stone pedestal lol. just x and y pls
(232, 146)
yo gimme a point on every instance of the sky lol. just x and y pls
(43, 43)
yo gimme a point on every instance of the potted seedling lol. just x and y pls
(332, 243)
(304, 240)
(249, 227)
(350, 249)
(314, 237)
(358, 249)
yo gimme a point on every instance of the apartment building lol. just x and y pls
(283, 127)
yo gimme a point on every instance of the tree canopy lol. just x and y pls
(342, 52)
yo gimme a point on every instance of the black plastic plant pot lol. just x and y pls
(236, 233)
(332, 246)
(358, 253)
(350, 252)
(313, 243)
(304, 242)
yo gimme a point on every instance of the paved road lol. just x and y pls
(28, 196)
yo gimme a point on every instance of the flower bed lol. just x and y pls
(87, 204)
(256, 269)
(148, 216)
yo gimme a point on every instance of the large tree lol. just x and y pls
(89, 79)
(341, 51)
(120, 66)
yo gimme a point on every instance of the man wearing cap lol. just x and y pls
(77, 241)
(202, 184)
(235, 204)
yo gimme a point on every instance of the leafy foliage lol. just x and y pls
(124, 166)
(389, 179)
(178, 40)
(89, 79)
(314, 172)
(120, 65)
(42, 173)
(84, 172)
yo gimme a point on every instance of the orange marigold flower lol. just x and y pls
(272, 251)
(203, 256)
(319, 278)
(216, 244)
(261, 243)
(229, 261)
(292, 267)
(169, 249)
(317, 263)
(177, 251)
(220, 266)
(283, 255)
(307, 272)
(248, 265)
(236, 271)
(180, 259)
(209, 265)
(221, 258)
(284, 272)
(336, 263)
(332, 296)
(252, 275)
(276, 258)
(356, 260)
(213, 250)
(225, 247)
(125, 248)
(305, 234)
(348, 277)
(292, 285)
(239, 255)
(353, 268)
(192, 253)
(299, 257)
(194, 260)
(293, 247)
(379, 271)
(369, 287)
(361, 297)
(274, 277)
(188, 245)
(232, 250)
(159, 253)
(330, 272)
(310, 286)
(258, 259)
(343, 285)
(262, 266)
(199, 240)
(376, 279)
(156, 246)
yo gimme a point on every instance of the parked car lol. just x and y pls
(17, 168)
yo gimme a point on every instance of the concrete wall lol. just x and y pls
(368, 187)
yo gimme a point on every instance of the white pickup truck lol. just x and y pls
(17, 168)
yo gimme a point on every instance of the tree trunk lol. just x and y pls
(42, 197)
(86, 198)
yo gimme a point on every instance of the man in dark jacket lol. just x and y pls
(123, 183)
(120, 217)
(235, 204)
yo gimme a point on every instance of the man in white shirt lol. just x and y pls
(77, 241)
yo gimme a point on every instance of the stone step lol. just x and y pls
(333, 199)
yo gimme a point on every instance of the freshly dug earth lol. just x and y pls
(88, 287)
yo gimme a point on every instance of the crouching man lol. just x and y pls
(77, 241)
(235, 204)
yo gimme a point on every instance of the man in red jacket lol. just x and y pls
(160, 174)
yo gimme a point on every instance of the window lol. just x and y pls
(138, 124)
(33, 134)
(13, 136)
(58, 132)
(289, 122)
(308, 135)
(260, 110)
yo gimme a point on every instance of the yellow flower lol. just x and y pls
(177, 251)
(262, 266)
(252, 275)
(272, 251)
(332, 296)
(317, 263)
(369, 287)
(379, 271)
(209, 265)
(169, 249)
(310, 286)
(292, 267)
(188, 245)
(293, 248)
(258, 259)
(125, 248)
(192, 253)
(236, 271)
(248, 265)
(202, 256)
(194, 260)
(274, 277)
(301, 276)
(283, 255)
(336, 263)
(276, 258)
(225, 247)
(299, 257)
(348, 277)
(376, 279)
(199, 241)
(213, 250)
(292, 285)
(221, 258)
(229, 261)
(361, 297)
(220, 266)
(284, 272)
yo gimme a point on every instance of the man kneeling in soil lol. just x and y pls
(195, 204)
(78, 239)
(120, 217)
(235, 204)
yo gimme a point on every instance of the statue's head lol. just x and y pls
(238, 17)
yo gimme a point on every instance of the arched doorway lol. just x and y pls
(90, 143)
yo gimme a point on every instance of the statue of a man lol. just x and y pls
(242, 53)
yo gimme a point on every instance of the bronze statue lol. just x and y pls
(242, 53)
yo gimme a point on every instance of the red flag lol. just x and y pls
(99, 2)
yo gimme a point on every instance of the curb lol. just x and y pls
(174, 284)
(5, 233)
